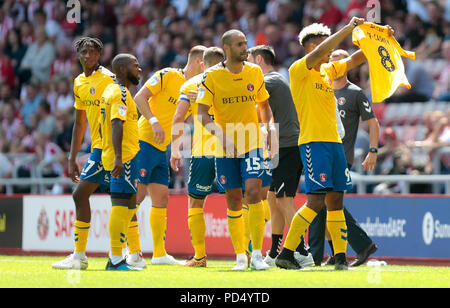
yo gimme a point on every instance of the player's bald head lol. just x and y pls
(121, 60)
(227, 37)
(339, 54)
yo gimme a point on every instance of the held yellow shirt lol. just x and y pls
(313, 96)
(88, 92)
(384, 55)
(203, 142)
(117, 103)
(165, 87)
(233, 98)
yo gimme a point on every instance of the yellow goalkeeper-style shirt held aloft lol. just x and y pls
(384, 55)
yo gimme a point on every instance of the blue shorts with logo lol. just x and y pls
(232, 172)
(94, 172)
(152, 165)
(127, 182)
(266, 177)
(325, 167)
(202, 173)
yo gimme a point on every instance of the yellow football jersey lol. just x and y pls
(88, 93)
(313, 96)
(117, 103)
(165, 87)
(203, 142)
(233, 98)
(384, 55)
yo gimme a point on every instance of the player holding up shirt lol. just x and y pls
(233, 88)
(323, 158)
(326, 172)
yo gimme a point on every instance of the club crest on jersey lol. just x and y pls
(92, 90)
(154, 80)
(223, 179)
(123, 110)
(323, 177)
(341, 101)
(143, 173)
(250, 87)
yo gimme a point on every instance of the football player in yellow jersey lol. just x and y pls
(161, 92)
(202, 167)
(233, 88)
(88, 89)
(118, 122)
(321, 150)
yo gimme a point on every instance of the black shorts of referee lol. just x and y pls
(286, 176)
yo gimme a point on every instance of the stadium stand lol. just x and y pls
(38, 64)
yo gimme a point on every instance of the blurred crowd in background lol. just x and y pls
(38, 64)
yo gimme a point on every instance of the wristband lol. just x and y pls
(153, 120)
(264, 130)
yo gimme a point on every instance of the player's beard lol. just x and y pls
(132, 78)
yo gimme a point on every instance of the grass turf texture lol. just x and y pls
(36, 272)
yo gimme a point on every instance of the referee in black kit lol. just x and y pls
(286, 175)
(352, 104)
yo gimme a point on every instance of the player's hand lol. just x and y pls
(355, 21)
(192, 96)
(117, 170)
(158, 133)
(175, 160)
(370, 162)
(74, 171)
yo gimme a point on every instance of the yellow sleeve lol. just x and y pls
(262, 94)
(205, 93)
(335, 69)
(78, 104)
(185, 88)
(118, 105)
(298, 70)
(154, 84)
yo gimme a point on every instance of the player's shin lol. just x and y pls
(197, 228)
(338, 230)
(81, 232)
(256, 224)
(158, 223)
(300, 222)
(117, 226)
(236, 229)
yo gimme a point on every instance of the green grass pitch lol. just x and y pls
(36, 272)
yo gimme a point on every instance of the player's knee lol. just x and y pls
(161, 200)
(253, 194)
(334, 201)
(78, 197)
(234, 201)
(140, 196)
